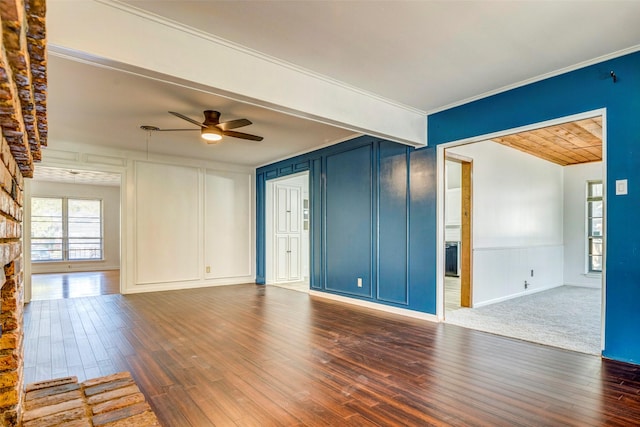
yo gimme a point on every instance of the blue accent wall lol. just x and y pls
(585, 89)
(372, 217)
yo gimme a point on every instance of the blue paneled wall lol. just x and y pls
(575, 92)
(374, 202)
(372, 217)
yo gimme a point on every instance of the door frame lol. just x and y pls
(440, 169)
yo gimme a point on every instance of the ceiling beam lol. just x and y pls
(122, 37)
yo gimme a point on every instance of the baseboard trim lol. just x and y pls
(381, 307)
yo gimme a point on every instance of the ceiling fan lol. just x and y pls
(211, 130)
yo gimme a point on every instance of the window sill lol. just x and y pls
(593, 275)
(68, 261)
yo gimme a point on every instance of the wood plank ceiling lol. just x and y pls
(565, 144)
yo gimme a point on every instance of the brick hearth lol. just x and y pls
(111, 401)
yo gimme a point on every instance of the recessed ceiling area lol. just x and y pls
(564, 144)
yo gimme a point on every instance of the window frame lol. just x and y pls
(65, 230)
(589, 236)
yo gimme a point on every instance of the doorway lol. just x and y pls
(458, 232)
(287, 232)
(537, 231)
(72, 233)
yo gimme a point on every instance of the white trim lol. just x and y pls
(604, 228)
(516, 295)
(171, 286)
(553, 122)
(440, 227)
(381, 307)
(539, 78)
(501, 248)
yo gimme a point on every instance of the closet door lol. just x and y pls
(288, 233)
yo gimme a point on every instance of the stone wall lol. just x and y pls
(24, 130)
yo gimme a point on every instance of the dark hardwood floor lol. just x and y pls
(253, 356)
(48, 286)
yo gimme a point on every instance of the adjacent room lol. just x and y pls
(534, 205)
(73, 236)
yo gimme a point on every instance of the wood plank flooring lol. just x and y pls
(49, 286)
(248, 355)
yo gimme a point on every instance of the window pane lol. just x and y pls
(46, 249)
(596, 263)
(85, 249)
(46, 217)
(84, 218)
(596, 247)
(595, 227)
(595, 209)
(595, 189)
(46, 229)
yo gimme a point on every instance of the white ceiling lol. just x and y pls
(425, 54)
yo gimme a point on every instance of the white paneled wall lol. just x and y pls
(227, 225)
(179, 216)
(193, 226)
(167, 236)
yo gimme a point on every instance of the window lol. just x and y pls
(594, 226)
(64, 229)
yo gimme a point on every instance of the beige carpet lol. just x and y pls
(567, 317)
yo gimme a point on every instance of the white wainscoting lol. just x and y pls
(499, 273)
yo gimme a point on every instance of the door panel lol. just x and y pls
(281, 210)
(294, 210)
(294, 258)
(282, 258)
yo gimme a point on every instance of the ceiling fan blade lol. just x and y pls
(189, 119)
(233, 124)
(174, 130)
(242, 135)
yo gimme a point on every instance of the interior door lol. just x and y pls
(288, 233)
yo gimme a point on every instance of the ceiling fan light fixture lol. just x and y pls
(211, 134)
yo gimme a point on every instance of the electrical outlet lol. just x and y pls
(531, 272)
(208, 269)
(526, 285)
(359, 282)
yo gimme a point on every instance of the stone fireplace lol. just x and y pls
(24, 130)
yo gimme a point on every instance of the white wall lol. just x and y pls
(180, 215)
(575, 244)
(517, 222)
(110, 197)
(453, 201)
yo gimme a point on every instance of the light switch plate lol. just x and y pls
(621, 187)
